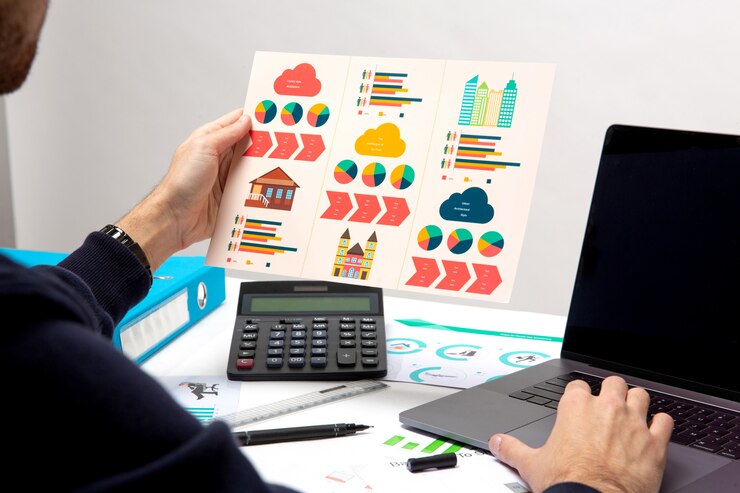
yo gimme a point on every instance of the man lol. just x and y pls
(88, 419)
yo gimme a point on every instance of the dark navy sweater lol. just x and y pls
(78, 414)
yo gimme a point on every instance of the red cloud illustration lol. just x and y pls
(300, 81)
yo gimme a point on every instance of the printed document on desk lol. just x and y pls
(409, 174)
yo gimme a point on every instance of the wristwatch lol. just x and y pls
(117, 233)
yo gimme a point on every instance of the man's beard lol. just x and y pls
(15, 63)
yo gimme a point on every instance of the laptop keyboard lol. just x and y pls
(701, 426)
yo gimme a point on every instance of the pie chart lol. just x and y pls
(402, 176)
(291, 114)
(318, 115)
(345, 171)
(373, 174)
(265, 111)
(459, 241)
(490, 244)
(429, 238)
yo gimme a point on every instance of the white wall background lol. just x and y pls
(117, 85)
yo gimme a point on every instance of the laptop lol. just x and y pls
(656, 300)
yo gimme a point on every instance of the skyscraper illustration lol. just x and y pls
(485, 107)
(466, 108)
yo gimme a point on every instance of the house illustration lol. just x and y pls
(273, 190)
(354, 262)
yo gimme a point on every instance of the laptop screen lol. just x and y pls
(657, 291)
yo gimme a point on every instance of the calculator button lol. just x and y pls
(346, 358)
(347, 343)
(296, 362)
(369, 343)
(318, 351)
(251, 327)
(276, 343)
(274, 362)
(347, 320)
(297, 343)
(369, 361)
(249, 336)
(367, 320)
(278, 327)
(369, 335)
(291, 320)
(277, 334)
(318, 361)
(318, 343)
(246, 354)
(319, 319)
(297, 351)
(320, 326)
(248, 345)
(369, 352)
(298, 334)
(275, 352)
(318, 334)
(244, 363)
(299, 326)
(252, 320)
(367, 327)
(347, 334)
(347, 326)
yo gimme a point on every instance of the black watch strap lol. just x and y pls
(120, 235)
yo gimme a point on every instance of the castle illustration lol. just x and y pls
(354, 262)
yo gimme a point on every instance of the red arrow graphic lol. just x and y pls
(457, 275)
(287, 144)
(313, 147)
(261, 143)
(339, 205)
(367, 208)
(426, 272)
(396, 211)
(488, 278)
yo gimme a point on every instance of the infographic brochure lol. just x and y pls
(408, 174)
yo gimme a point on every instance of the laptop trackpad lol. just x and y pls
(535, 434)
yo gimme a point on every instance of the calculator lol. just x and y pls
(308, 330)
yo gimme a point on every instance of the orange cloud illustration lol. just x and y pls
(299, 81)
(382, 141)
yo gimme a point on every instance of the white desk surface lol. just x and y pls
(203, 351)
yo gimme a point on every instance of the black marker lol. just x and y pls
(258, 437)
(432, 462)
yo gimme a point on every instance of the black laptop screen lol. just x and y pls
(657, 292)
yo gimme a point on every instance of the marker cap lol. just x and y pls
(432, 462)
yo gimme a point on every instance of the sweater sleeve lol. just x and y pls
(570, 488)
(85, 413)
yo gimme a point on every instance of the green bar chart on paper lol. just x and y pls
(436, 446)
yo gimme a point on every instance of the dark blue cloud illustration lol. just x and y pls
(471, 206)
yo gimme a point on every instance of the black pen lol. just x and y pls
(257, 437)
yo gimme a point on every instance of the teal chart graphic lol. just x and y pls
(490, 244)
(429, 238)
(461, 357)
(265, 111)
(459, 241)
(345, 171)
(291, 114)
(373, 174)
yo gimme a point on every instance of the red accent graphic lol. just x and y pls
(339, 205)
(426, 272)
(313, 147)
(488, 278)
(367, 208)
(457, 275)
(261, 143)
(396, 211)
(300, 81)
(287, 144)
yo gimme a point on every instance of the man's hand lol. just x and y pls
(182, 209)
(603, 442)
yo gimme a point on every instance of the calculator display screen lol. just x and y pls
(307, 303)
